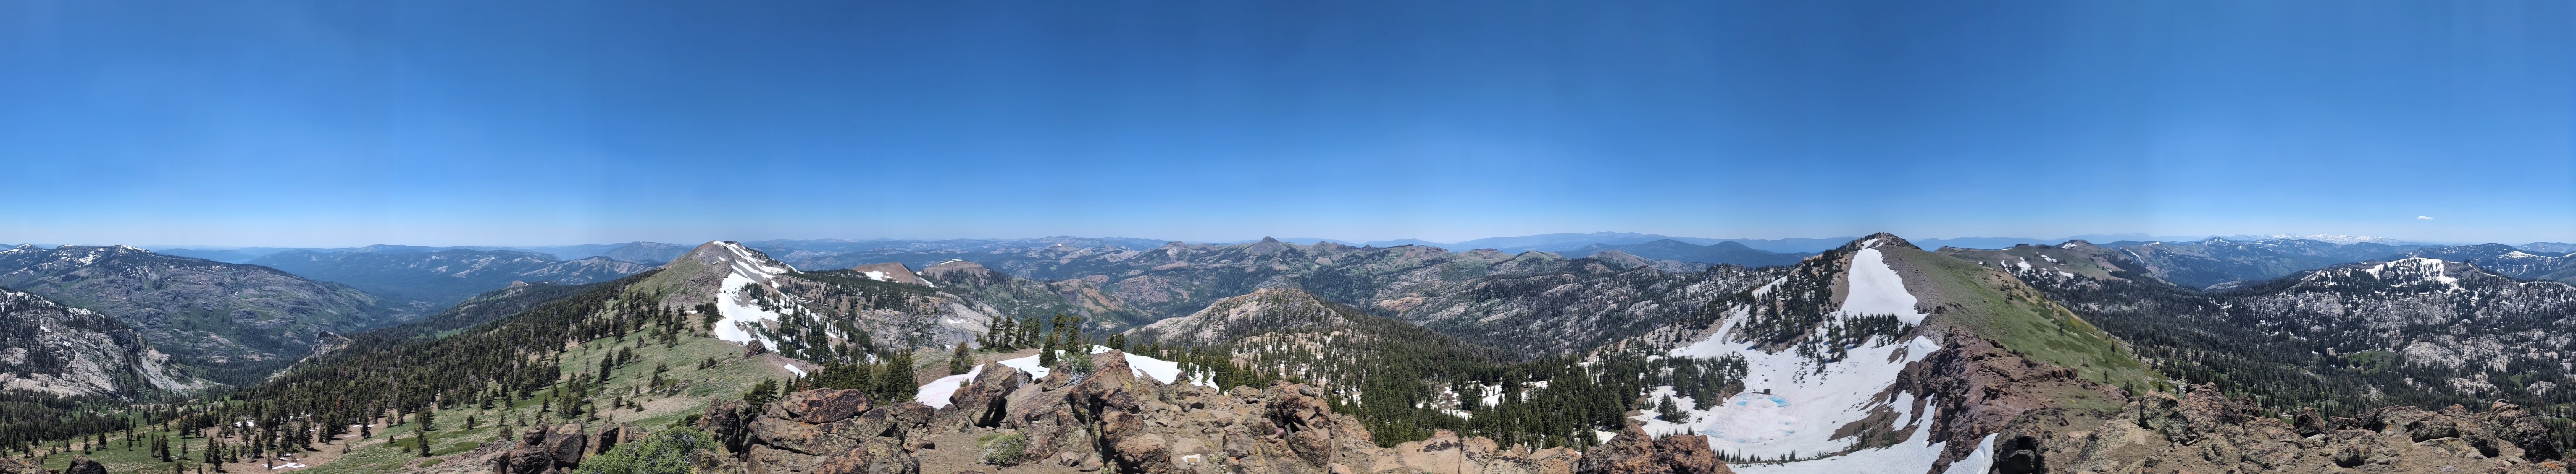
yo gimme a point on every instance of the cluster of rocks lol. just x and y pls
(542, 450)
(820, 432)
(1110, 420)
(2205, 431)
(79, 465)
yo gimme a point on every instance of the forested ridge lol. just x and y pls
(2270, 343)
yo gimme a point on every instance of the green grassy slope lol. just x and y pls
(1999, 307)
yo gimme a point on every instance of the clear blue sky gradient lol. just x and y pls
(512, 123)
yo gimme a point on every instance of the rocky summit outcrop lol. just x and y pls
(84, 465)
(819, 431)
(2206, 431)
(1633, 452)
(1107, 419)
(544, 450)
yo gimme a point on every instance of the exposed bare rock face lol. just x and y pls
(820, 431)
(326, 342)
(609, 437)
(1634, 452)
(260, 316)
(52, 348)
(544, 450)
(84, 465)
(1447, 453)
(2205, 431)
(1109, 420)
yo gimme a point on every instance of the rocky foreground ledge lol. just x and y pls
(1111, 421)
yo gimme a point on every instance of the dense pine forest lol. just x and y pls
(2195, 337)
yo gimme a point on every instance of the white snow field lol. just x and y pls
(936, 394)
(1791, 405)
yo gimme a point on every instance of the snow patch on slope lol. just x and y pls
(937, 392)
(1876, 289)
(1789, 404)
(738, 313)
(1903, 457)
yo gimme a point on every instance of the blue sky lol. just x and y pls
(519, 123)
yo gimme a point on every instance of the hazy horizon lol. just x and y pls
(352, 123)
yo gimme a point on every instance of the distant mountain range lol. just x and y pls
(440, 278)
(1732, 253)
(236, 322)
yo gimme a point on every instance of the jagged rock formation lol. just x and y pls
(819, 431)
(1633, 452)
(51, 348)
(237, 321)
(441, 278)
(1109, 420)
(544, 450)
(326, 342)
(2206, 431)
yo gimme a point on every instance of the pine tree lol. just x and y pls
(1046, 352)
(1671, 412)
(960, 361)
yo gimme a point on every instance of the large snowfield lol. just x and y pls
(1791, 405)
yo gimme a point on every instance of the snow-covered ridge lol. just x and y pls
(751, 263)
(1876, 289)
(2400, 272)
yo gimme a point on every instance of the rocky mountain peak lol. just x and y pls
(1881, 239)
(733, 256)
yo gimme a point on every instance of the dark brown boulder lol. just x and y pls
(609, 437)
(877, 456)
(725, 419)
(1131, 447)
(1634, 452)
(823, 431)
(529, 456)
(84, 465)
(1303, 419)
(983, 402)
(819, 406)
(565, 445)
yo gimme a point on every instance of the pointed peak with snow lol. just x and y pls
(741, 260)
(1881, 239)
